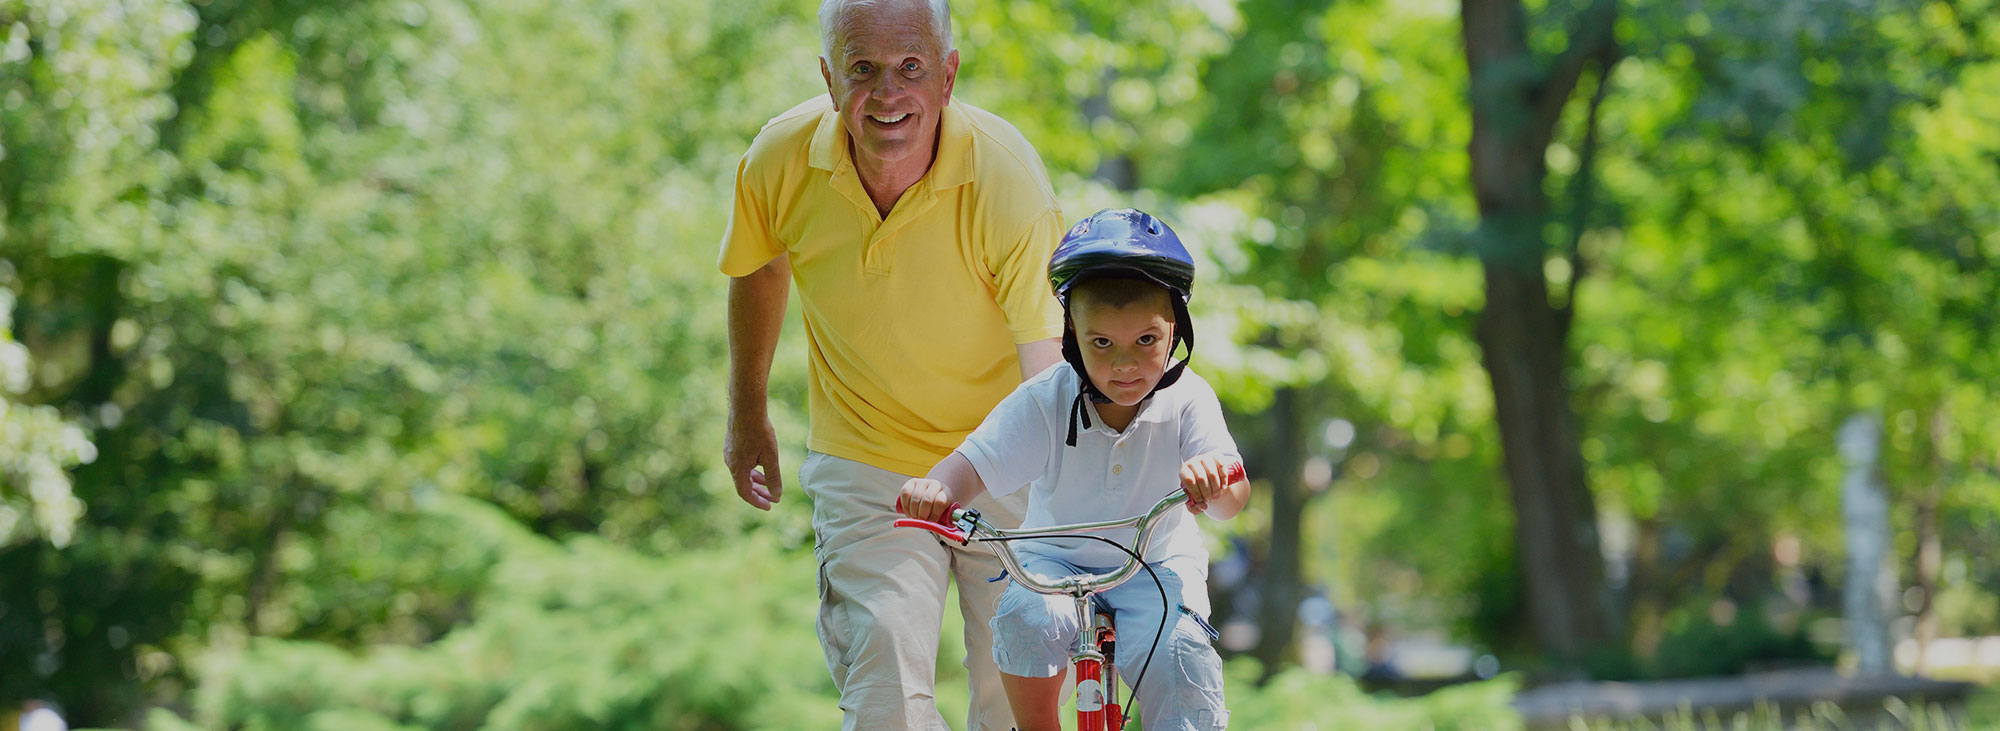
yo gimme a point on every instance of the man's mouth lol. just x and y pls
(889, 120)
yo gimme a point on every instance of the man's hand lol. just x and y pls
(925, 499)
(751, 444)
(756, 312)
(1205, 478)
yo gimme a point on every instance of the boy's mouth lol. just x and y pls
(1126, 384)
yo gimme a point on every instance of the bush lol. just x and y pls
(576, 635)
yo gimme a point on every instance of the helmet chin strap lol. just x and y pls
(1072, 352)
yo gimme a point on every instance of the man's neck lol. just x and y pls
(886, 182)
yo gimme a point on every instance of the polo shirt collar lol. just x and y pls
(951, 167)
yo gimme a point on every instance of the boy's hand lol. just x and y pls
(925, 499)
(1204, 478)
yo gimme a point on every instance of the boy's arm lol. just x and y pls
(1212, 486)
(930, 497)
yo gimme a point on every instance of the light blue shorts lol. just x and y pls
(1034, 636)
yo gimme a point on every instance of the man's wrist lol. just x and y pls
(749, 416)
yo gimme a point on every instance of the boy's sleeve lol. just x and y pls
(1011, 447)
(1203, 430)
(747, 245)
(1020, 268)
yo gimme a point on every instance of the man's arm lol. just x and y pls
(1038, 356)
(756, 313)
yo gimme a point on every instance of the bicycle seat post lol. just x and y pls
(1107, 645)
(1092, 694)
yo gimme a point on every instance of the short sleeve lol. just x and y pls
(1203, 430)
(1011, 447)
(1021, 270)
(747, 245)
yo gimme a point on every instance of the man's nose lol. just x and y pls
(888, 86)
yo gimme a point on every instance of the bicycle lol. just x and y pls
(1096, 682)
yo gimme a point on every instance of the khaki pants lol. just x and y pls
(881, 599)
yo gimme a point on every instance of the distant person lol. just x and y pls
(1104, 436)
(916, 228)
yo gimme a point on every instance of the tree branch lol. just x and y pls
(1591, 39)
(1581, 191)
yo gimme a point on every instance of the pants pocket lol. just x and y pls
(833, 625)
(1199, 700)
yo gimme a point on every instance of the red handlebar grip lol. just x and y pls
(942, 530)
(1235, 473)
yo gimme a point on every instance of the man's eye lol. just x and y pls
(910, 66)
(862, 68)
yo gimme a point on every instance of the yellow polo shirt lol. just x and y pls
(911, 322)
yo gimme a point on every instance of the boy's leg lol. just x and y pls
(1182, 687)
(881, 596)
(1037, 702)
(1034, 635)
(980, 585)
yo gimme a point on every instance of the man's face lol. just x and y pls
(1125, 349)
(890, 81)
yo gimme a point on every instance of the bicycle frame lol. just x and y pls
(1096, 680)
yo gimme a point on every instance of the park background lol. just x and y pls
(362, 363)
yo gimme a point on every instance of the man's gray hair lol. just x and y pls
(829, 16)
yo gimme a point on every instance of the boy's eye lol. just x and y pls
(1148, 339)
(1100, 342)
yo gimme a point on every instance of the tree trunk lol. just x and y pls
(1516, 101)
(1277, 613)
(1870, 585)
(1555, 533)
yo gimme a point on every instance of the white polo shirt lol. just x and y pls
(1108, 475)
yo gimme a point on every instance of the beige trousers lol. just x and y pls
(882, 595)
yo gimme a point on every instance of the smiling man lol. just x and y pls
(916, 228)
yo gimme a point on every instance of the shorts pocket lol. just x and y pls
(833, 625)
(1199, 699)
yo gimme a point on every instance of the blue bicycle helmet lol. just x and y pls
(1125, 243)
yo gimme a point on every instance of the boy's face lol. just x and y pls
(1125, 349)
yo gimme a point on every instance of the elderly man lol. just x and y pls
(917, 230)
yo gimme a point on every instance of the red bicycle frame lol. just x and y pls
(1096, 680)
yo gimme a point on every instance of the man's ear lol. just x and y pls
(827, 74)
(950, 74)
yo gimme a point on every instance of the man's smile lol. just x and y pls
(889, 121)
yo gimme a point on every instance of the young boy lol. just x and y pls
(1146, 429)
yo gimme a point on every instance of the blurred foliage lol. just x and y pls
(580, 634)
(381, 346)
(37, 447)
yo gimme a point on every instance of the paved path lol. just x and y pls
(1551, 706)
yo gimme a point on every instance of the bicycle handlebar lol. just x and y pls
(967, 525)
